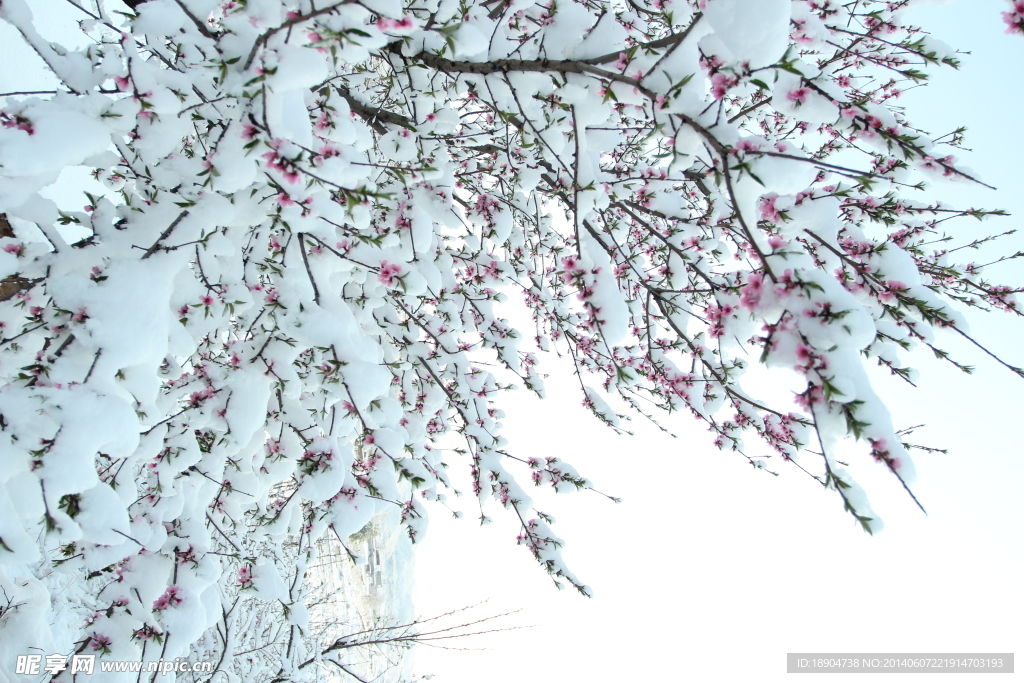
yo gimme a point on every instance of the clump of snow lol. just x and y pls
(754, 31)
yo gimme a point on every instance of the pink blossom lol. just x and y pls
(748, 145)
(197, 397)
(750, 295)
(388, 273)
(145, 633)
(803, 353)
(814, 394)
(798, 96)
(720, 84)
(768, 211)
(18, 122)
(800, 33)
(892, 288)
(404, 24)
(170, 598)
(1014, 19)
(100, 642)
(245, 576)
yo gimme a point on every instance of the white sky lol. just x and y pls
(712, 571)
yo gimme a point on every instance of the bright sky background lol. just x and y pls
(713, 571)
